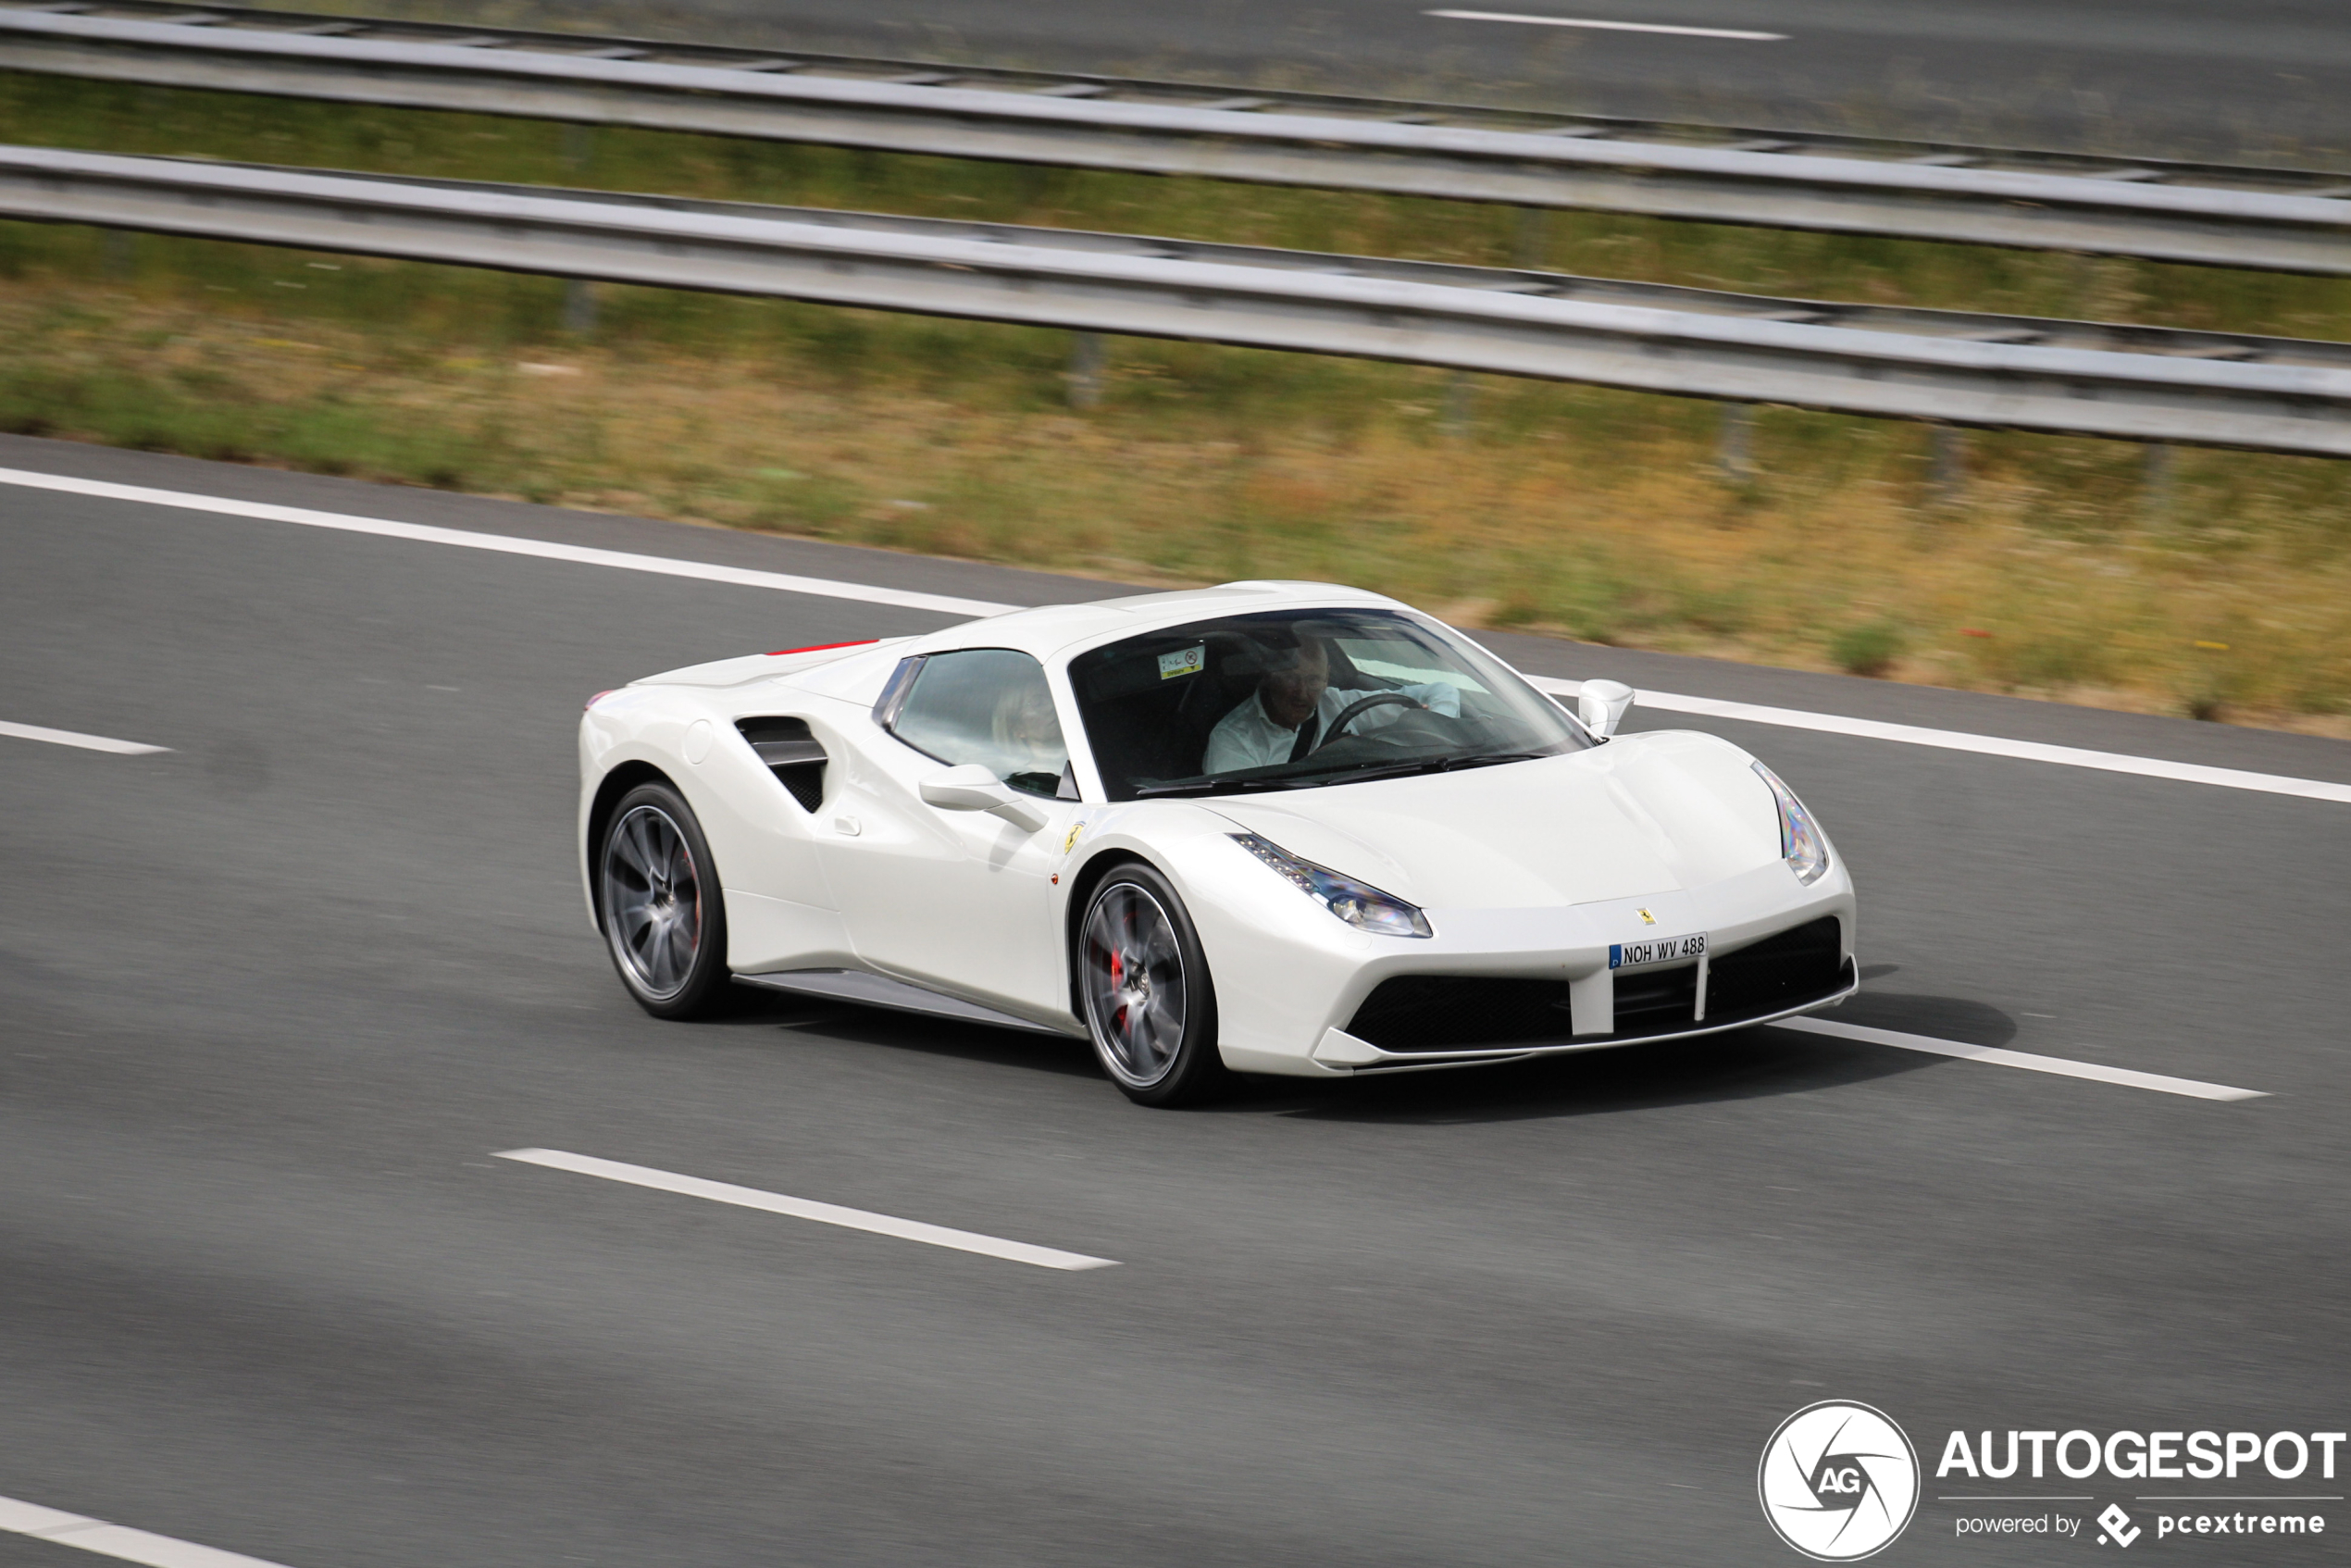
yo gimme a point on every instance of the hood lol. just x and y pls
(1646, 814)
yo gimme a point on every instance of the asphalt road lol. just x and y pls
(270, 1002)
(2262, 79)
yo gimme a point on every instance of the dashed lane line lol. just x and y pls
(75, 738)
(2097, 1072)
(115, 1540)
(1667, 701)
(804, 1208)
(1595, 24)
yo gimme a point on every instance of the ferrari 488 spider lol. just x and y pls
(1265, 828)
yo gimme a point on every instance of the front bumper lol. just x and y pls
(1339, 1048)
(1498, 984)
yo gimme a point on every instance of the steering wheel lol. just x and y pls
(1363, 705)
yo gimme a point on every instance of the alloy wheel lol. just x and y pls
(1134, 984)
(652, 902)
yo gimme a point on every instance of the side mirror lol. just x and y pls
(1601, 705)
(972, 787)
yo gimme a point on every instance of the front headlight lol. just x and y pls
(1800, 842)
(1360, 904)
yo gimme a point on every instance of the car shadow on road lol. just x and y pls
(851, 1023)
(1741, 1064)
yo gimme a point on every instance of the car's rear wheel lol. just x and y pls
(665, 919)
(1149, 1006)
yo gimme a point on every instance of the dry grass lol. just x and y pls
(1597, 514)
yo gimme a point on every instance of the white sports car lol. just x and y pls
(1266, 827)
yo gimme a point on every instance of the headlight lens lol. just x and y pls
(1801, 845)
(1360, 904)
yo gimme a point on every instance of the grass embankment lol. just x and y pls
(1598, 513)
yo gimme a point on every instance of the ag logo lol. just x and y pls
(1838, 1481)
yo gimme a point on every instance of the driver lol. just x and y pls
(1293, 707)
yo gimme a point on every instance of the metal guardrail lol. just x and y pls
(2284, 220)
(2127, 382)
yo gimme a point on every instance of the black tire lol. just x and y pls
(659, 902)
(1144, 988)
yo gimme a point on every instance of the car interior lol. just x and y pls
(1147, 725)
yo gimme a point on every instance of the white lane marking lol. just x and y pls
(75, 738)
(115, 1540)
(503, 544)
(1612, 27)
(1984, 745)
(1834, 724)
(2194, 1088)
(802, 1208)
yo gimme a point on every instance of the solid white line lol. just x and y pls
(502, 543)
(1984, 745)
(115, 1540)
(1834, 724)
(75, 738)
(1612, 27)
(2194, 1088)
(801, 1208)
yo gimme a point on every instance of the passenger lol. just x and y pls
(1029, 748)
(1292, 709)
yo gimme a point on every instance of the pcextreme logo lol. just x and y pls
(1838, 1481)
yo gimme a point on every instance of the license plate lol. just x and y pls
(1657, 949)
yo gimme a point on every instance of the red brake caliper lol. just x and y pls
(1119, 982)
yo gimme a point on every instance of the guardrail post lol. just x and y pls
(579, 307)
(1735, 447)
(120, 252)
(579, 295)
(1460, 404)
(1089, 355)
(1532, 243)
(2156, 481)
(1946, 471)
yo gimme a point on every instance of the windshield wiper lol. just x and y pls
(1338, 776)
(1221, 786)
(1432, 764)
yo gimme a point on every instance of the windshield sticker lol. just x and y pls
(1185, 660)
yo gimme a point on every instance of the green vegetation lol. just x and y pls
(2225, 591)
(1870, 647)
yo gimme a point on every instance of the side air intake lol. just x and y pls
(791, 753)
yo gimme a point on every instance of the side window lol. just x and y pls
(990, 706)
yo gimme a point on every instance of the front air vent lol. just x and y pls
(791, 753)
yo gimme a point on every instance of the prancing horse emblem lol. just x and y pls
(1646, 918)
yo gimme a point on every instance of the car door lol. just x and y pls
(958, 899)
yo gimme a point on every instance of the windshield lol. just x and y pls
(1287, 699)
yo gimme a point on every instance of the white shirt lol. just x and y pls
(1246, 738)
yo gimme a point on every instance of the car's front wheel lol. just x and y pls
(665, 919)
(1148, 1004)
